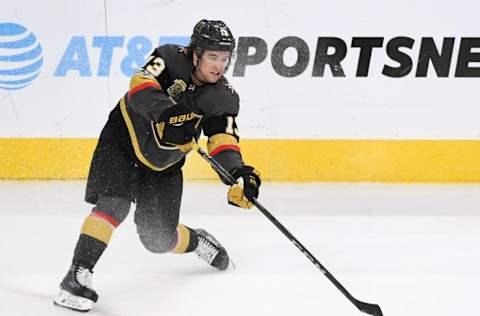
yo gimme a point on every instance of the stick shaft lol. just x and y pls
(365, 307)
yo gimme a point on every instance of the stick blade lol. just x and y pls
(372, 309)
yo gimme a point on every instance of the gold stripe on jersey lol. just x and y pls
(140, 78)
(98, 228)
(221, 139)
(183, 239)
(133, 137)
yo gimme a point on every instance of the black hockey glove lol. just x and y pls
(249, 183)
(177, 125)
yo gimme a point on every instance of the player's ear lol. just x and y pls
(195, 58)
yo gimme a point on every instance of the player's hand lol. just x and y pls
(177, 126)
(249, 182)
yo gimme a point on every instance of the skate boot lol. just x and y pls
(210, 250)
(76, 290)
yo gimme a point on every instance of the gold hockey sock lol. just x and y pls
(94, 237)
(186, 240)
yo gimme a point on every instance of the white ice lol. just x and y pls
(412, 249)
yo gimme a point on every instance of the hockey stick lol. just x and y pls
(372, 309)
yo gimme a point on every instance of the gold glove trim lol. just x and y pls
(236, 196)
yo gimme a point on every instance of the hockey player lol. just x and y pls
(179, 93)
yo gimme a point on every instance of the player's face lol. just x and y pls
(211, 65)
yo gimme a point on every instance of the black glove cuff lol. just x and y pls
(247, 171)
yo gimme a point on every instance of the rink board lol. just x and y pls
(278, 160)
(387, 93)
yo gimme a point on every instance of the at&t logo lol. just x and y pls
(20, 56)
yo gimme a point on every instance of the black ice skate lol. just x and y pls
(210, 250)
(76, 290)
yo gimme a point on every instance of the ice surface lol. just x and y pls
(412, 249)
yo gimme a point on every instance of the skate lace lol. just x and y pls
(206, 250)
(84, 277)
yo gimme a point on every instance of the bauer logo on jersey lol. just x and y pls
(177, 88)
(180, 119)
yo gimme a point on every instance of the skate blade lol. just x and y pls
(70, 301)
(231, 265)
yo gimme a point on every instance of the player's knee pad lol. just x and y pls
(157, 241)
(157, 229)
(115, 208)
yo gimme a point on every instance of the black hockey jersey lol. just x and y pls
(165, 80)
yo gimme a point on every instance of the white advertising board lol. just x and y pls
(304, 69)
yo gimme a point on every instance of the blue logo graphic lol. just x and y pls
(20, 56)
(76, 58)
